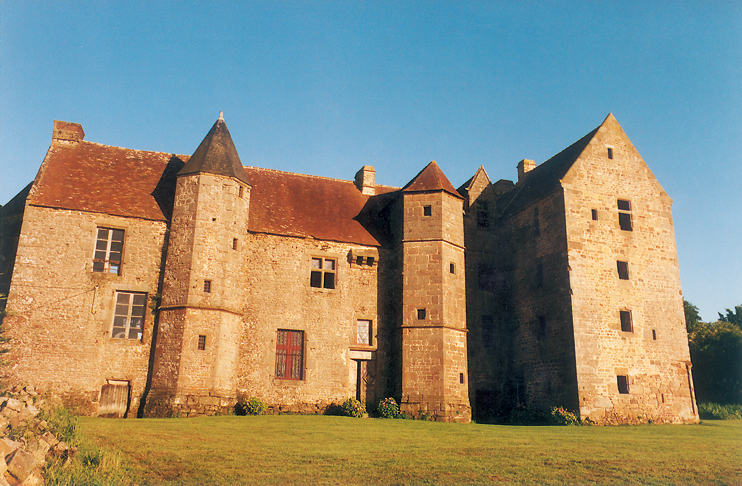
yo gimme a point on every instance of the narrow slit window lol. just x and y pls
(461, 378)
(240, 192)
(610, 152)
(623, 270)
(594, 214)
(452, 268)
(207, 286)
(421, 314)
(427, 211)
(654, 334)
(626, 325)
(234, 243)
(201, 342)
(623, 384)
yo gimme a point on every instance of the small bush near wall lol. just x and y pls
(250, 406)
(388, 408)
(353, 408)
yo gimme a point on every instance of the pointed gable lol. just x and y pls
(431, 179)
(544, 178)
(216, 155)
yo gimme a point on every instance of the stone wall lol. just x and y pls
(653, 354)
(62, 312)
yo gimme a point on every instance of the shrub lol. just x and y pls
(250, 406)
(562, 416)
(388, 409)
(353, 408)
(715, 411)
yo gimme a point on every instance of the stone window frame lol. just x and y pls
(625, 219)
(283, 356)
(106, 257)
(108, 308)
(126, 310)
(623, 383)
(359, 346)
(309, 259)
(201, 341)
(626, 319)
(622, 268)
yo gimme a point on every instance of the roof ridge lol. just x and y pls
(135, 150)
(300, 174)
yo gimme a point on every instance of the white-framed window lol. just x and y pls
(109, 249)
(128, 318)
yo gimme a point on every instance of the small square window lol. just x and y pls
(201, 343)
(623, 384)
(452, 268)
(207, 286)
(370, 261)
(626, 325)
(427, 211)
(421, 314)
(594, 213)
(322, 275)
(624, 205)
(623, 270)
(359, 260)
(363, 333)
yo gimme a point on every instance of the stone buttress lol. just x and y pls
(434, 352)
(197, 347)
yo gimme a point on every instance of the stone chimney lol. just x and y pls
(72, 132)
(366, 180)
(524, 167)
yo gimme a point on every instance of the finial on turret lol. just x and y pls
(221, 115)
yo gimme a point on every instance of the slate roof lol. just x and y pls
(216, 155)
(431, 178)
(543, 179)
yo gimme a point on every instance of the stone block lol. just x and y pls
(21, 464)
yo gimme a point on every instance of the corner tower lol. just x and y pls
(195, 359)
(434, 353)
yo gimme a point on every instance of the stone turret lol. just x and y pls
(201, 313)
(434, 353)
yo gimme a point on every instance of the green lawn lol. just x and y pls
(292, 449)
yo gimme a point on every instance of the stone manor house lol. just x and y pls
(148, 284)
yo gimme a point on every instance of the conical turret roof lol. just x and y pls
(216, 155)
(431, 178)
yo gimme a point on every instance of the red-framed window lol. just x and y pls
(290, 355)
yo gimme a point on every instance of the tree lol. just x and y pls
(733, 317)
(716, 353)
(692, 318)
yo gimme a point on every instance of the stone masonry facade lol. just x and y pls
(155, 284)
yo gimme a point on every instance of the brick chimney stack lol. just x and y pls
(63, 130)
(525, 166)
(366, 180)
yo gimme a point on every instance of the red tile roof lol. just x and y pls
(291, 204)
(99, 178)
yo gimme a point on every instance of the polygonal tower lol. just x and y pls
(195, 359)
(434, 354)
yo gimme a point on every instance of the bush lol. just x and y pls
(562, 416)
(250, 406)
(388, 409)
(715, 411)
(353, 408)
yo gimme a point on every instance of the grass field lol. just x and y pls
(338, 450)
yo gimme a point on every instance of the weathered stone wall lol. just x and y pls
(279, 296)
(11, 219)
(62, 312)
(654, 354)
(540, 314)
(434, 359)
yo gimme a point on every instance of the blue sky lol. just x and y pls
(326, 87)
